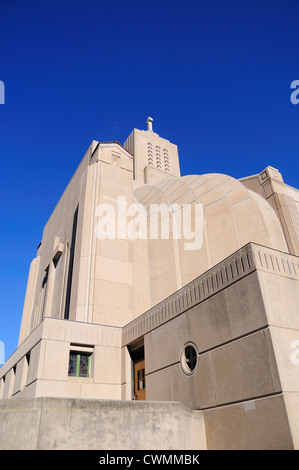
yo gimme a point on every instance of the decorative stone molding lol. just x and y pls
(269, 173)
(238, 265)
(271, 181)
(276, 262)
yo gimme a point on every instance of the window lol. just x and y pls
(166, 160)
(25, 375)
(189, 355)
(44, 292)
(2, 385)
(79, 364)
(141, 379)
(28, 359)
(71, 265)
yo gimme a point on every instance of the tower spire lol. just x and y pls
(149, 124)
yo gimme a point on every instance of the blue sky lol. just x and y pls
(215, 75)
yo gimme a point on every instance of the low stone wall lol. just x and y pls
(82, 424)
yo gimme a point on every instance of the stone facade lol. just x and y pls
(244, 369)
(212, 325)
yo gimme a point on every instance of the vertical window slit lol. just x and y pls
(71, 263)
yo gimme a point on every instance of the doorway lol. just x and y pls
(136, 351)
(139, 380)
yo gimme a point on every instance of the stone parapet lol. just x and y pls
(248, 259)
(83, 424)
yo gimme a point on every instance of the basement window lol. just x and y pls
(80, 362)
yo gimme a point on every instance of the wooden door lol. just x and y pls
(139, 380)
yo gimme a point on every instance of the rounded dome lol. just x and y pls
(232, 217)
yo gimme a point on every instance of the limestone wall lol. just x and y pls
(71, 424)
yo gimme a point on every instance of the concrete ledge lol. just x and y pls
(82, 424)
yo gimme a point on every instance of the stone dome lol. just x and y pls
(232, 217)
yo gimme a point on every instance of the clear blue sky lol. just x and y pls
(215, 75)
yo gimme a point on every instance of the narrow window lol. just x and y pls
(25, 371)
(71, 263)
(141, 379)
(44, 291)
(28, 359)
(73, 365)
(2, 385)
